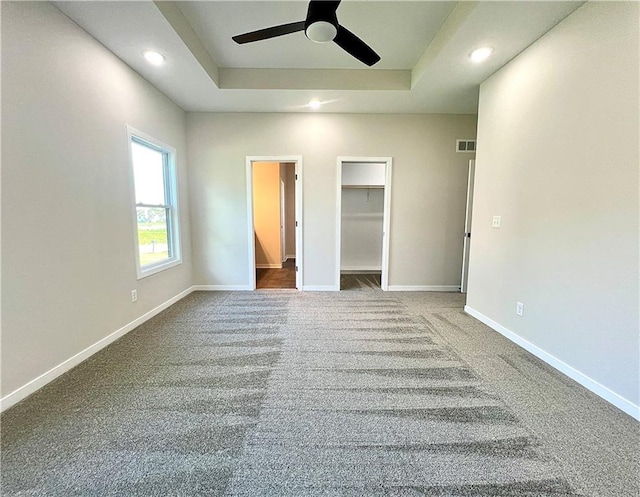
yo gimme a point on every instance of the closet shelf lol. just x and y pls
(378, 215)
(363, 187)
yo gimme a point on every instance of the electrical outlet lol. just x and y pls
(519, 308)
(496, 222)
(134, 295)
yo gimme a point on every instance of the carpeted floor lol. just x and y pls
(285, 393)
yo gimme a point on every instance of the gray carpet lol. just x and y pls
(282, 393)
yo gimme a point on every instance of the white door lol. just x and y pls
(283, 238)
(467, 227)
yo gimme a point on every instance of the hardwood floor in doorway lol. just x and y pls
(277, 278)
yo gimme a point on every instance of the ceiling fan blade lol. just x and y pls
(353, 45)
(322, 9)
(272, 32)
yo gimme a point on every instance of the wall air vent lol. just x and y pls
(468, 146)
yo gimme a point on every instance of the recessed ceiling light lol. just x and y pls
(481, 54)
(315, 104)
(154, 58)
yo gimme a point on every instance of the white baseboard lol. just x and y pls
(600, 390)
(320, 288)
(290, 256)
(424, 288)
(36, 384)
(269, 266)
(220, 288)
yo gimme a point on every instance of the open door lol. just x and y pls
(283, 213)
(467, 227)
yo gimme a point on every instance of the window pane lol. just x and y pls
(148, 172)
(152, 235)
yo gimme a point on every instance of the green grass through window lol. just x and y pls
(152, 242)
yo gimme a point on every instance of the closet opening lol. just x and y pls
(363, 223)
(274, 214)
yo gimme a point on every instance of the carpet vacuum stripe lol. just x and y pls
(310, 437)
(280, 393)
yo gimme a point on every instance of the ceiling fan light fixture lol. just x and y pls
(155, 58)
(321, 26)
(480, 54)
(321, 31)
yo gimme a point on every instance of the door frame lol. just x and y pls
(297, 160)
(466, 244)
(386, 216)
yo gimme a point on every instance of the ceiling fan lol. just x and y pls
(321, 26)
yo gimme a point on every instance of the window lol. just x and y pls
(157, 237)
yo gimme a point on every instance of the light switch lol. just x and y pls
(496, 222)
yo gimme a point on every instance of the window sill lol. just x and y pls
(157, 268)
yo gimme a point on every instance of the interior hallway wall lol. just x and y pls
(68, 256)
(427, 204)
(266, 213)
(557, 158)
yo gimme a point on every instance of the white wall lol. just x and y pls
(557, 158)
(361, 226)
(361, 217)
(363, 173)
(427, 205)
(68, 262)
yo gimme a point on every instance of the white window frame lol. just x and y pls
(172, 206)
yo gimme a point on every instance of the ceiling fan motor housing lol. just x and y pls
(321, 24)
(321, 31)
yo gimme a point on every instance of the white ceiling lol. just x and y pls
(424, 48)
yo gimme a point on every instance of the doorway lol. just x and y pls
(363, 219)
(274, 213)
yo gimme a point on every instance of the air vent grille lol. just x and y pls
(466, 146)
